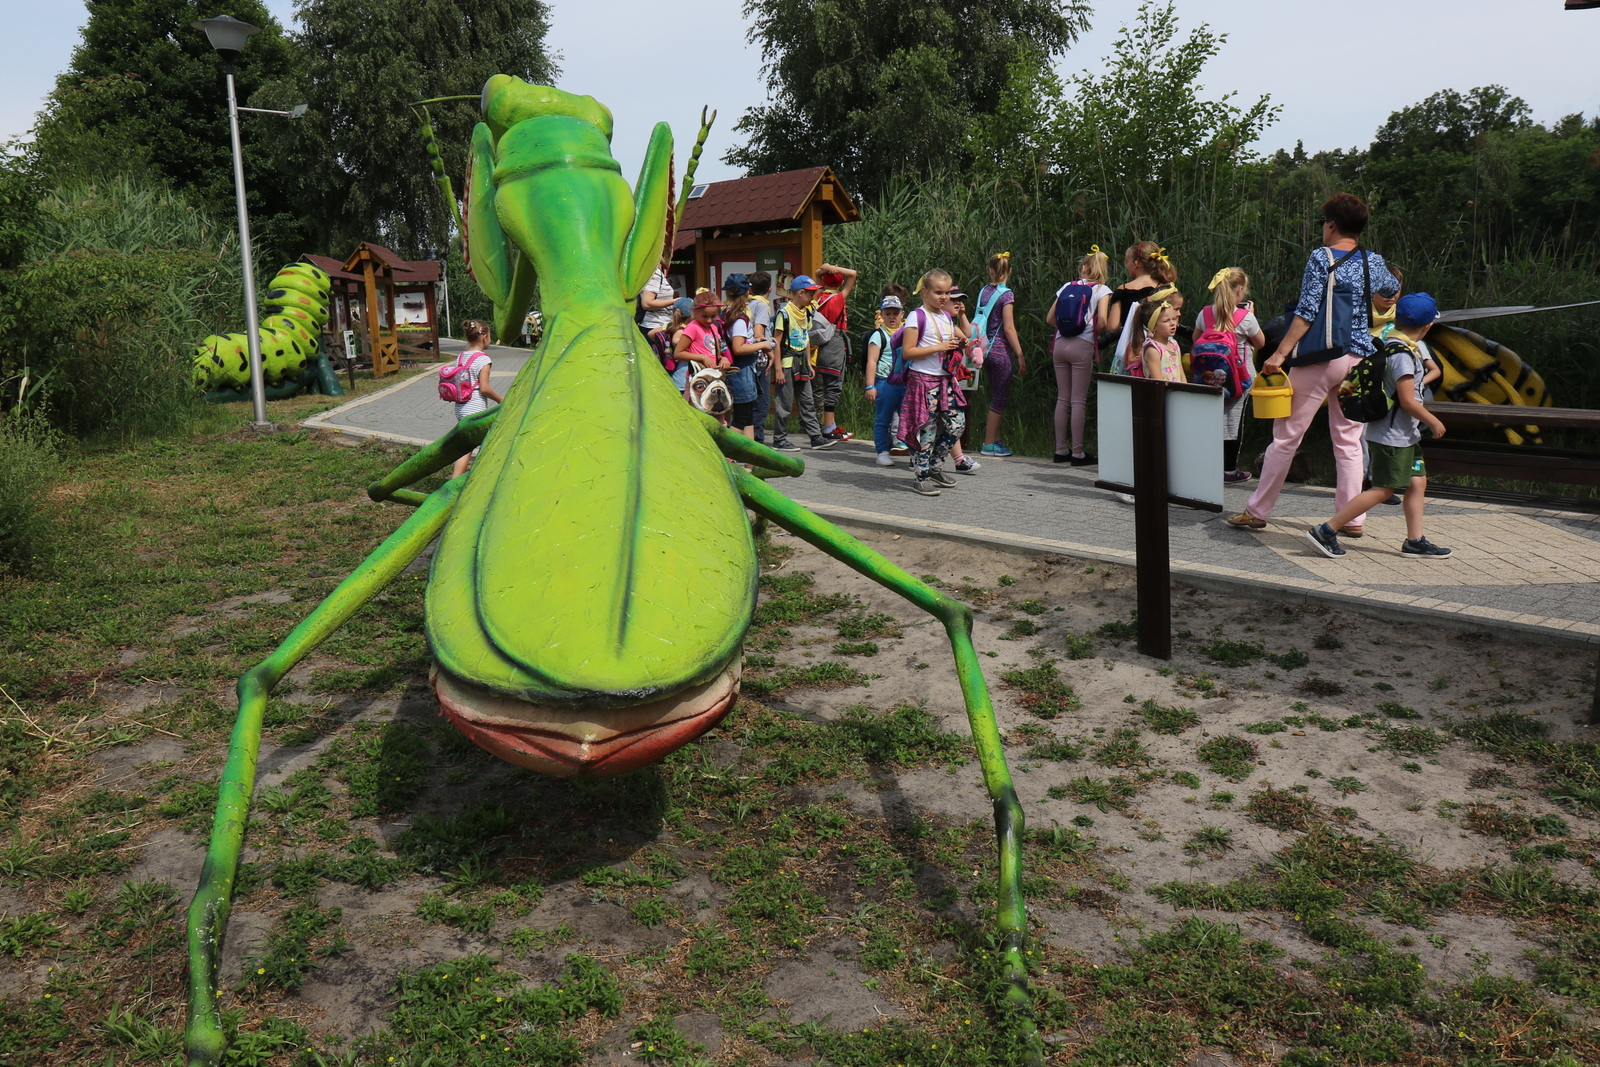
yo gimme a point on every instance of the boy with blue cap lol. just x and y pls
(1395, 439)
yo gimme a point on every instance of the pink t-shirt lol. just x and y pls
(704, 341)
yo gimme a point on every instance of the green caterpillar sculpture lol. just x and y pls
(296, 306)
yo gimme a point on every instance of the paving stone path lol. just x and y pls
(1528, 570)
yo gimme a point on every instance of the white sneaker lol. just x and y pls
(884, 460)
(1126, 498)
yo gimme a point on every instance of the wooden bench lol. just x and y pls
(1534, 463)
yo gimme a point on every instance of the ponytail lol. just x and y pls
(1223, 301)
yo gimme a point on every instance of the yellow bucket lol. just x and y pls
(1271, 401)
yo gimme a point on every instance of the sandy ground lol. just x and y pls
(1445, 676)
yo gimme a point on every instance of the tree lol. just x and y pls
(873, 88)
(148, 88)
(355, 163)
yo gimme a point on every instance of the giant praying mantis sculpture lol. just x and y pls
(596, 573)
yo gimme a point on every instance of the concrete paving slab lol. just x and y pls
(1524, 570)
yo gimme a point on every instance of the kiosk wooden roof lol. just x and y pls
(743, 214)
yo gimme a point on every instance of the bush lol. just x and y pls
(29, 446)
(117, 284)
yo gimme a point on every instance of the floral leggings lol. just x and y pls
(934, 440)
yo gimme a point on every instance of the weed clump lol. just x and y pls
(1165, 720)
(1230, 756)
(1044, 692)
(1281, 809)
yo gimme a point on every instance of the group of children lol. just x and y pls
(924, 349)
(787, 356)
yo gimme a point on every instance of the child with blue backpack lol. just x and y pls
(996, 324)
(1078, 312)
(885, 371)
(1226, 336)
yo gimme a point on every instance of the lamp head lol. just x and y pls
(298, 111)
(227, 35)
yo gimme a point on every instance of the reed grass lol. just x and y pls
(120, 281)
(1265, 227)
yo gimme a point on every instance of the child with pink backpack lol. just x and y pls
(1226, 335)
(465, 383)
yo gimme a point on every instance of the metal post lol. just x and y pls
(1594, 709)
(258, 386)
(444, 279)
(1153, 565)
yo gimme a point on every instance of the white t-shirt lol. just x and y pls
(656, 318)
(475, 367)
(740, 328)
(940, 328)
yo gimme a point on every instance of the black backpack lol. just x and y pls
(1364, 394)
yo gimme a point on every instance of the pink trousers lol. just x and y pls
(1311, 386)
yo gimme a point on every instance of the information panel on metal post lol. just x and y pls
(1193, 419)
(1161, 442)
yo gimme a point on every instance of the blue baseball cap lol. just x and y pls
(1415, 309)
(891, 301)
(684, 306)
(736, 284)
(802, 281)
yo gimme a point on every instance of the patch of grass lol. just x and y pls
(787, 599)
(1490, 778)
(1078, 646)
(1019, 629)
(1321, 687)
(829, 674)
(471, 918)
(21, 934)
(293, 948)
(1410, 740)
(1033, 607)
(861, 625)
(468, 1011)
(1291, 660)
(1123, 749)
(1044, 692)
(1209, 840)
(1348, 785)
(1266, 726)
(1103, 794)
(1187, 779)
(1167, 720)
(1233, 653)
(791, 747)
(1396, 710)
(1230, 756)
(1118, 631)
(855, 648)
(1060, 749)
(1281, 809)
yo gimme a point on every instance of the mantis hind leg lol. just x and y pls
(213, 900)
(462, 438)
(957, 618)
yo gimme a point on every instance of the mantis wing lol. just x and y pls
(651, 199)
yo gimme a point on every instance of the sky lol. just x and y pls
(632, 55)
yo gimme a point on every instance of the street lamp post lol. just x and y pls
(228, 35)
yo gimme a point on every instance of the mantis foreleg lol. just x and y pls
(957, 619)
(462, 438)
(213, 900)
(768, 462)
